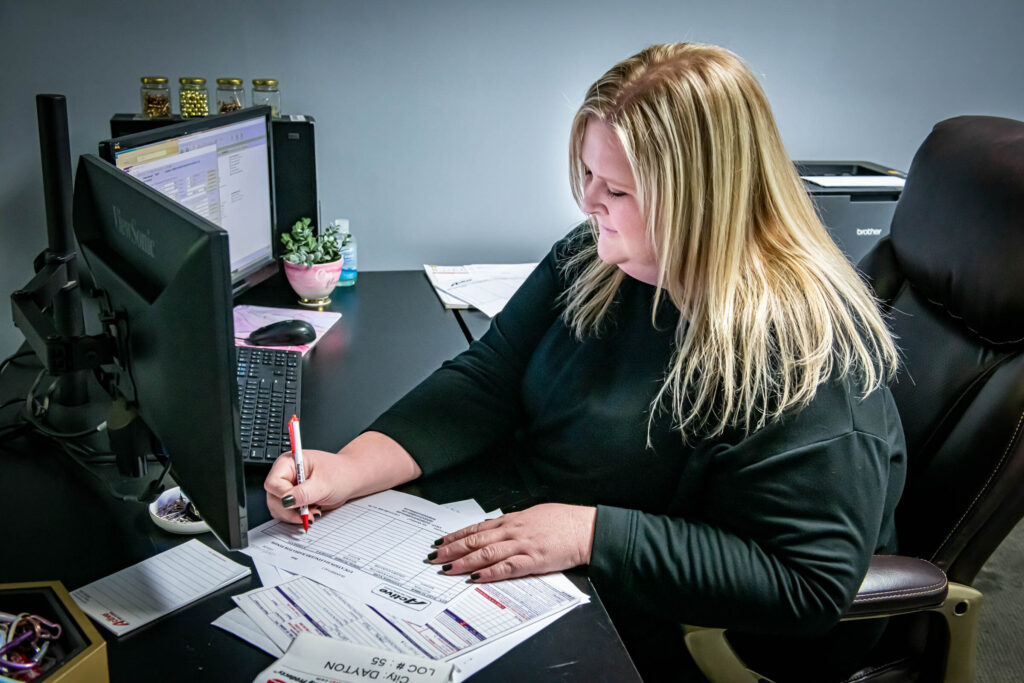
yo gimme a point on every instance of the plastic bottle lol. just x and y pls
(349, 268)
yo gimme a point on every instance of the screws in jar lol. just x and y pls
(230, 95)
(156, 97)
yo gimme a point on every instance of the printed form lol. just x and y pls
(157, 586)
(373, 549)
(475, 618)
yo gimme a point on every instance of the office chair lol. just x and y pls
(951, 277)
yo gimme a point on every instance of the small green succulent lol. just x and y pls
(304, 247)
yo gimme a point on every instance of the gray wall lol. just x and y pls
(441, 125)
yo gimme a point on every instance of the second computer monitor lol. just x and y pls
(220, 167)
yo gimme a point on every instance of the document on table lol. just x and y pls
(484, 286)
(157, 586)
(475, 618)
(326, 660)
(373, 549)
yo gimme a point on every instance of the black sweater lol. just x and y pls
(768, 533)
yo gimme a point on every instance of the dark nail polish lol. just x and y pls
(317, 515)
(288, 501)
(446, 568)
(439, 541)
(431, 556)
(474, 577)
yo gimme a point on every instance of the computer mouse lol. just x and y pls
(283, 333)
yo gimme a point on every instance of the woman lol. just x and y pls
(696, 377)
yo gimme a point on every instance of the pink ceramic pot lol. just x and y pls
(313, 284)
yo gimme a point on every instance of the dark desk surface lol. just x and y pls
(61, 523)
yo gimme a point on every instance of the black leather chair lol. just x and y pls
(951, 276)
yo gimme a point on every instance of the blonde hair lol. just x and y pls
(770, 308)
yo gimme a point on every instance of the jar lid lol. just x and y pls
(263, 82)
(229, 81)
(192, 81)
(154, 80)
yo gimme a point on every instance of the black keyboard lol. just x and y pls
(269, 393)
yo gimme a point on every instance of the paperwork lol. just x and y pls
(486, 287)
(360, 576)
(373, 549)
(325, 660)
(478, 616)
(855, 180)
(157, 586)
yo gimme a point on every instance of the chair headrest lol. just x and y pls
(958, 229)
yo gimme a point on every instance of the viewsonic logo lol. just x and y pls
(140, 239)
(392, 593)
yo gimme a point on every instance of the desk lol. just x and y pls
(60, 523)
(472, 322)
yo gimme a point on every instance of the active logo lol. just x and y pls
(396, 595)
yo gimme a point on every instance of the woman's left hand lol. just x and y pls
(541, 539)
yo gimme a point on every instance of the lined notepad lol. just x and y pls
(146, 591)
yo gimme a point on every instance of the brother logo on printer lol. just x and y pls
(140, 239)
(868, 232)
(392, 593)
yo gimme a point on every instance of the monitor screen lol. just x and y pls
(218, 167)
(162, 273)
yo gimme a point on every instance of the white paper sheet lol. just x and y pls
(484, 286)
(238, 623)
(373, 549)
(324, 660)
(482, 615)
(158, 585)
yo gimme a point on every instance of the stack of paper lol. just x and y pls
(486, 287)
(360, 575)
(139, 594)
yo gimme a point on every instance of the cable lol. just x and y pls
(34, 411)
(11, 402)
(7, 361)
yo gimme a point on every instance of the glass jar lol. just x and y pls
(193, 98)
(230, 95)
(265, 92)
(156, 97)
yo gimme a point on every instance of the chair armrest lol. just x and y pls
(895, 584)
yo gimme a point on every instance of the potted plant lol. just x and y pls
(312, 263)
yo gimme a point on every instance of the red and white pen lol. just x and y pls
(300, 472)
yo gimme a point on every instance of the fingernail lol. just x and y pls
(288, 501)
(474, 577)
(446, 568)
(317, 515)
(432, 556)
(439, 541)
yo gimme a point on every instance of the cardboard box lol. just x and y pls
(81, 652)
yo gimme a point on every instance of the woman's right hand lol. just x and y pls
(370, 463)
(324, 489)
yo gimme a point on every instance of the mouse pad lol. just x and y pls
(249, 318)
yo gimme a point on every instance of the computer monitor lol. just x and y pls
(163, 278)
(221, 168)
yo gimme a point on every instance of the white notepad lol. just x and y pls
(146, 591)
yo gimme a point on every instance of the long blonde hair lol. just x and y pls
(770, 308)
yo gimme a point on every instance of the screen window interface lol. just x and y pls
(223, 175)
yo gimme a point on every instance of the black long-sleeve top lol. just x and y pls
(765, 533)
